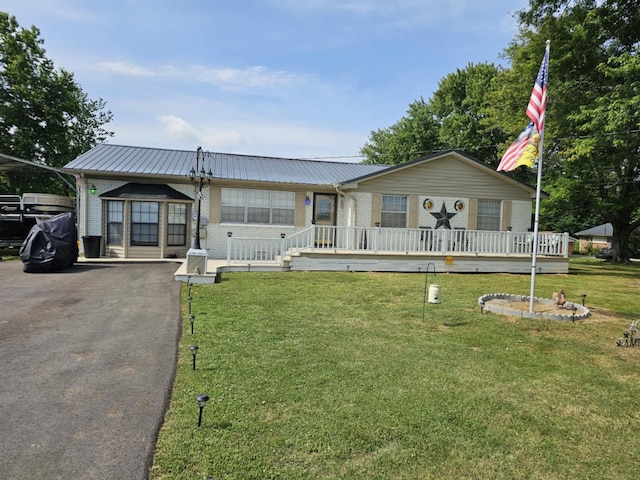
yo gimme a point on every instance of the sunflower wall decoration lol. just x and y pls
(459, 205)
(427, 204)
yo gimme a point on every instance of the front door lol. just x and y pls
(324, 218)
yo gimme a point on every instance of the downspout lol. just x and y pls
(84, 205)
(350, 222)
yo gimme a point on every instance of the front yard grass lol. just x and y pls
(336, 376)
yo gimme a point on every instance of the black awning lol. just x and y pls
(147, 191)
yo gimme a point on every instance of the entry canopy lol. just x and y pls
(11, 164)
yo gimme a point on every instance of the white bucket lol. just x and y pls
(434, 294)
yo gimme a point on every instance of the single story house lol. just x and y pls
(596, 238)
(446, 208)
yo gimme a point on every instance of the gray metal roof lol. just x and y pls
(604, 230)
(120, 159)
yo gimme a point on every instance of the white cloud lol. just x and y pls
(226, 78)
(179, 130)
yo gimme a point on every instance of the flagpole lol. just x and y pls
(536, 221)
(536, 218)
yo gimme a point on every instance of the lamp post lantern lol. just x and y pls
(198, 179)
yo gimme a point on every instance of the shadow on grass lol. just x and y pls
(218, 426)
(604, 268)
(455, 324)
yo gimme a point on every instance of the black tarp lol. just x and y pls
(51, 245)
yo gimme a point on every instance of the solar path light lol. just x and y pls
(202, 401)
(194, 352)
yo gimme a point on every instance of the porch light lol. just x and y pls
(93, 189)
(202, 401)
(307, 200)
(194, 352)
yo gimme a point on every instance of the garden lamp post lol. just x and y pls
(202, 401)
(198, 179)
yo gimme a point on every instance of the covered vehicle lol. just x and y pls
(51, 245)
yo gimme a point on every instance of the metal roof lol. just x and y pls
(120, 159)
(604, 230)
(158, 191)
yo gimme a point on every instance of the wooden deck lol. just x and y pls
(355, 261)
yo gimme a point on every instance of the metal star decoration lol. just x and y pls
(443, 217)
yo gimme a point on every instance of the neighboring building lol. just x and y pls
(141, 200)
(596, 237)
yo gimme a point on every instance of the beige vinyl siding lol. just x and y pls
(413, 212)
(443, 177)
(506, 214)
(144, 252)
(300, 209)
(472, 222)
(215, 200)
(376, 208)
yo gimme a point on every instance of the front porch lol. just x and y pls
(326, 248)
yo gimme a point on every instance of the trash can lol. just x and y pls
(91, 245)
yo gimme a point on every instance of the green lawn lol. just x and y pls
(336, 376)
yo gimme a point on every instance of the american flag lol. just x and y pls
(535, 111)
(538, 100)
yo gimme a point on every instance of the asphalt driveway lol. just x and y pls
(87, 360)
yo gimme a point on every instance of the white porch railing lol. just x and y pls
(386, 240)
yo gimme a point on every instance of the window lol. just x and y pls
(258, 206)
(489, 215)
(394, 211)
(282, 208)
(115, 212)
(144, 223)
(176, 224)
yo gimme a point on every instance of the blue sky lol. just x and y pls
(290, 78)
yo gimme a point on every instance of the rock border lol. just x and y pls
(580, 314)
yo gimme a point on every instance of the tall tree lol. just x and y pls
(591, 134)
(460, 105)
(454, 117)
(414, 135)
(45, 116)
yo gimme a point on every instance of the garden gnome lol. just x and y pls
(559, 299)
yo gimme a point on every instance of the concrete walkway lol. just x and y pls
(87, 361)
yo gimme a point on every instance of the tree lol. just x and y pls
(456, 116)
(412, 136)
(461, 108)
(45, 116)
(591, 133)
